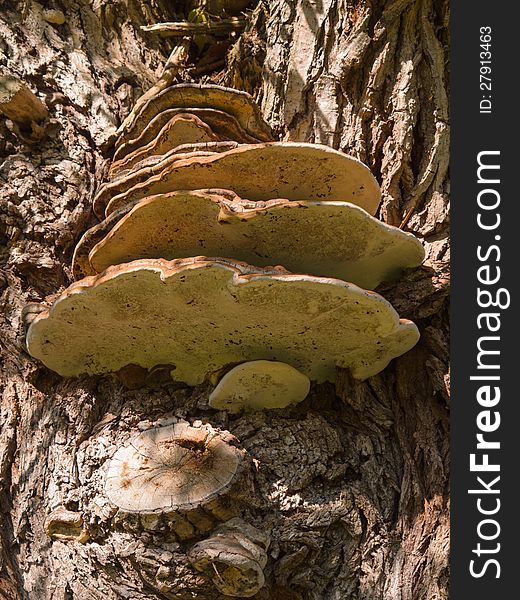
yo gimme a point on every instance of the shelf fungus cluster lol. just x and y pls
(237, 260)
(218, 246)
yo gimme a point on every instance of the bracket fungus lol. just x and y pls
(66, 525)
(189, 95)
(22, 107)
(259, 384)
(154, 163)
(18, 103)
(197, 474)
(81, 266)
(181, 129)
(221, 124)
(202, 314)
(184, 158)
(291, 170)
(80, 261)
(331, 239)
(233, 558)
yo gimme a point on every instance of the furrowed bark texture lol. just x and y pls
(351, 485)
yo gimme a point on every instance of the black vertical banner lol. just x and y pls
(485, 166)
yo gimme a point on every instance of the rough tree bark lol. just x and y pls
(354, 481)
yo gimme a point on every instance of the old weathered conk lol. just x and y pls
(180, 477)
(169, 468)
(18, 103)
(66, 525)
(233, 557)
(202, 314)
(331, 239)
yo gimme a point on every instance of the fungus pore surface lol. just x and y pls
(259, 384)
(189, 95)
(331, 239)
(180, 129)
(221, 123)
(203, 314)
(291, 170)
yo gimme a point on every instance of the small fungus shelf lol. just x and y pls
(259, 384)
(222, 124)
(183, 128)
(152, 164)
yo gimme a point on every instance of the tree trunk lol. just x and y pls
(353, 482)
